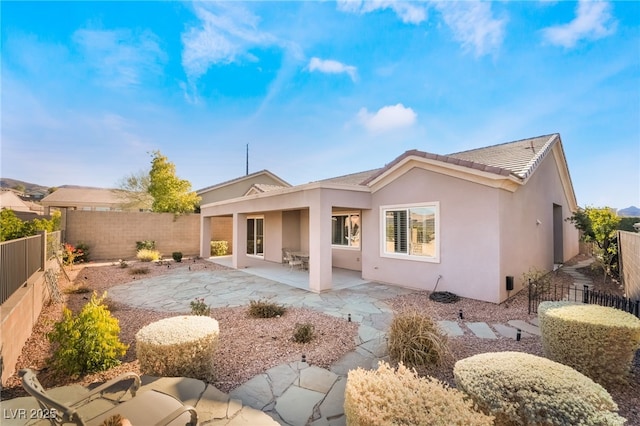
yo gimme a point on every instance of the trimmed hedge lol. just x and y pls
(178, 346)
(387, 396)
(524, 389)
(598, 341)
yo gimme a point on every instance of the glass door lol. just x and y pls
(255, 236)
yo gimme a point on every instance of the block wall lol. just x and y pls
(629, 253)
(113, 235)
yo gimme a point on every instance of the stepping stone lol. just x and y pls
(281, 378)
(482, 330)
(255, 393)
(366, 333)
(213, 404)
(376, 347)
(296, 405)
(535, 321)
(317, 379)
(509, 332)
(450, 328)
(251, 417)
(525, 326)
(351, 361)
(333, 404)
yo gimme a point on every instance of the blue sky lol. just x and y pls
(317, 89)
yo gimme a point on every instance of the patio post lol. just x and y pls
(239, 256)
(205, 236)
(320, 273)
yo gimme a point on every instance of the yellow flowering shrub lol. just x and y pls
(178, 346)
(598, 341)
(391, 397)
(524, 389)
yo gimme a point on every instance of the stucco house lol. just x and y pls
(84, 198)
(471, 222)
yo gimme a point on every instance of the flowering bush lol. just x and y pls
(75, 254)
(524, 389)
(598, 341)
(387, 397)
(219, 248)
(178, 346)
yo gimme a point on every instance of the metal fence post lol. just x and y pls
(585, 294)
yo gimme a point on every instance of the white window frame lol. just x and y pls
(408, 256)
(347, 246)
(253, 216)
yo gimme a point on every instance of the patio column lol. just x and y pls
(205, 237)
(320, 273)
(239, 256)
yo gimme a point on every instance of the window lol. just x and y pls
(411, 231)
(345, 230)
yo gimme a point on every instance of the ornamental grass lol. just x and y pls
(415, 340)
(399, 397)
(598, 341)
(524, 389)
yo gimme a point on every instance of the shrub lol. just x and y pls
(524, 389)
(140, 270)
(415, 339)
(145, 245)
(178, 346)
(219, 248)
(146, 255)
(538, 279)
(177, 256)
(75, 254)
(199, 307)
(303, 333)
(388, 397)
(598, 341)
(87, 342)
(265, 309)
(77, 290)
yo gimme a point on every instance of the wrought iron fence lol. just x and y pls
(543, 290)
(19, 259)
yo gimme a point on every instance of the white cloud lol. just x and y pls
(330, 66)
(473, 25)
(408, 12)
(225, 34)
(120, 57)
(593, 21)
(387, 118)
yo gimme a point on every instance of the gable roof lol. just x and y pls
(358, 178)
(518, 158)
(241, 178)
(258, 188)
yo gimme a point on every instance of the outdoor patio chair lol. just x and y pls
(148, 408)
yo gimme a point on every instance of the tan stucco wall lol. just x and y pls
(222, 230)
(291, 229)
(524, 242)
(113, 235)
(469, 236)
(235, 189)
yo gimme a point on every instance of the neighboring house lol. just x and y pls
(79, 198)
(25, 210)
(254, 183)
(464, 222)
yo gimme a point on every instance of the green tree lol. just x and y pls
(170, 193)
(599, 226)
(133, 190)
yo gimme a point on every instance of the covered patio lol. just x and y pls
(299, 219)
(282, 273)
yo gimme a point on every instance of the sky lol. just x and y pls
(315, 89)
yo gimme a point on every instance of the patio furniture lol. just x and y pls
(303, 257)
(148, 408)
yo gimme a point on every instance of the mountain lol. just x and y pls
(30, 188)
(632, 211)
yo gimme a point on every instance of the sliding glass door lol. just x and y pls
(255, 236)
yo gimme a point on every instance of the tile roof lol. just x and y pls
(83, 195)
(239, 179)
(263, 187)
(519, 157)
(354, 178)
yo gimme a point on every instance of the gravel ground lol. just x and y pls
(250, 346)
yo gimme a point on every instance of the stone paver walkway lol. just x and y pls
(295, 393)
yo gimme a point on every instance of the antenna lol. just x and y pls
(247, 169)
